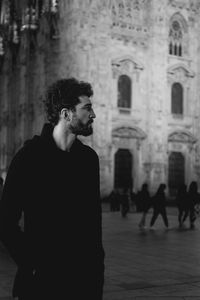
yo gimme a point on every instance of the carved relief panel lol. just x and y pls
(130, 20)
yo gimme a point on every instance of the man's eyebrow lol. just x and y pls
(87, 105)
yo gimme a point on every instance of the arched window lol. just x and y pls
(177, 99)
(124, 91)
(176, 173)
(175, 38)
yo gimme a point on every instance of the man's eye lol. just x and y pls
(88, 108)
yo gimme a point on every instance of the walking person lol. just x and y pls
(193, 200)
(54, 181)
(181, 201)
(145, 203)
(114, 200)
(124, 200)
(159, 206)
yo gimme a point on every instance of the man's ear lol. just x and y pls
(65, 114)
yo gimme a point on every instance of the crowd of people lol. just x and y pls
(187, 201)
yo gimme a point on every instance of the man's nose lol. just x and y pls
(92, 115)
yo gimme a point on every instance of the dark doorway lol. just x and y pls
(123, 169)
(176, 175)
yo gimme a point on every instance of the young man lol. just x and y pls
(54, 181)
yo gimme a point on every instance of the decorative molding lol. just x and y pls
(125, 65)
(191, 5)
(180, 67)
(129, 132)
(182, 137)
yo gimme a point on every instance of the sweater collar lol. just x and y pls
(47, 137)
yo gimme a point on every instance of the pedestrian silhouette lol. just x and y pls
(159, 205)
(182, 203)
(192, 201)
(124, 200)
(145, 203)
(114, 200)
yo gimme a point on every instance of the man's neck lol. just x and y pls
(64, 139)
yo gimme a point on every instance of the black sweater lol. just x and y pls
(60, 246)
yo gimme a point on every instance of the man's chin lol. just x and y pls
(87, 133)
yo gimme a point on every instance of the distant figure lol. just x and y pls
(124, 201)
(114, 200)
(133, 197)
(159, 203)
(182, 204)
(145, 203)
(193, 200)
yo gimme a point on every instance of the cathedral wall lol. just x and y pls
(99, 41)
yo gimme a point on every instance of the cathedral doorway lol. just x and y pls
(123, 169)
(176, 174)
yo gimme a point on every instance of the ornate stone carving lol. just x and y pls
(127, 23)
(125, 65)
(191, 5)
(182, 137)
(129, 132)
(180, 70)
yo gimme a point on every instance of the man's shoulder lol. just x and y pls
(29, 148)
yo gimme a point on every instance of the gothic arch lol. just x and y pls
(179, 18)
(178, 35)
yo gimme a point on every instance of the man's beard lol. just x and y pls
(79, 128)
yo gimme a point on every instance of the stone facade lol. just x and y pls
(154, 43)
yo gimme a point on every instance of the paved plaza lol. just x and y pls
(155, 264)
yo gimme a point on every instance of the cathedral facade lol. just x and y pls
(142, 58)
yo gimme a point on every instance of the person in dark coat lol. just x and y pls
(145, 203)
(124, 201)
(54, 182)
(181, 201)
(193, 200)
(159, 203)
(114, 200)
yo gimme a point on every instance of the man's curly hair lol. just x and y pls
(64, 93)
